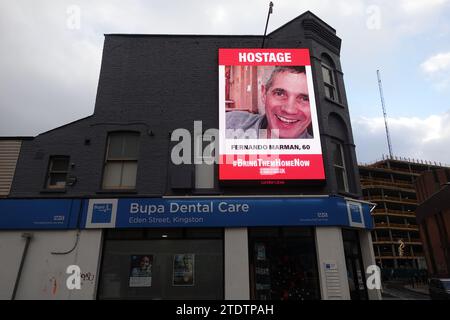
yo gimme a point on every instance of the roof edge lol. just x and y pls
(16, 137)
(64, 125)
(179, 35)
(304, 14)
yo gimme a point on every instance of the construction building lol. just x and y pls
(390, 183)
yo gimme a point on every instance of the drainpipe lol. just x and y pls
(28, 237)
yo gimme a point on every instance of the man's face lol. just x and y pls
(287, 104)
(145, 263)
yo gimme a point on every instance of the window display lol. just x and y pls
(284, 268)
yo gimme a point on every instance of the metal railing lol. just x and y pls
(402, 213)
(392, 211)
(403, 226)
(391, 198)
(395, 240)
(396, 226)
(382, 239)
(385, 182)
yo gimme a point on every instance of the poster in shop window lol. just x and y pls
(141, 271)
(268, 126)
(183, 269)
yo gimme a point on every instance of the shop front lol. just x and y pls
(285, 248)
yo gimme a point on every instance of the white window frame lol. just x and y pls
(51, 171)
(332, 85)
(343, 167)
(122, 161)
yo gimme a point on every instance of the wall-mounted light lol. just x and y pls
(71, 180)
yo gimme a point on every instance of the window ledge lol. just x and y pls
(212, 191)
(62, 190)
(128, 191)
(335, 102)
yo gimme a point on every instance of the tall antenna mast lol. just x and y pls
(384, 114)
(267, 22)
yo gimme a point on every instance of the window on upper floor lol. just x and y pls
(58, 169)
(121, 161)
(340, 170)
(329, 79)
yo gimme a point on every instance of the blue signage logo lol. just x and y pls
(355, 213)
(102, 213)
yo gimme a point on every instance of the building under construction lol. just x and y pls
(390, 184)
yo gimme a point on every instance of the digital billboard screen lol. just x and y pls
(268, 128)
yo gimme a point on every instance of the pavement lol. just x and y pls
(422, 288)
(398, 290)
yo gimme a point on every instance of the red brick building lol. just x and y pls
(433, 217)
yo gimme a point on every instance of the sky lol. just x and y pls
(50, 56)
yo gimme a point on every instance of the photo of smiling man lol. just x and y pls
(268, 124)
(286, 109)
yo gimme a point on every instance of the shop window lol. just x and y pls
(329, 79)
(340, 171)
(57, 172)
(283, 264)
(121, 161)
(160, 264)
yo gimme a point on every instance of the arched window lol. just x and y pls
(329, 78)
(338, 130)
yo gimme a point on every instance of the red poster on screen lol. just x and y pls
(268, 117)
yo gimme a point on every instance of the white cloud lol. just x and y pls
(412, 137)
(412, 17)
(47, 68)
(350, 7)
(438, 62)
(437, 69)
(49, 72)
(218, 14)
(419, 6)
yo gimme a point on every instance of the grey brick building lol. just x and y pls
(149, 86)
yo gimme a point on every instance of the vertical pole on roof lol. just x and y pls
(267, 22)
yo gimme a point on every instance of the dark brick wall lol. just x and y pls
(158, 83)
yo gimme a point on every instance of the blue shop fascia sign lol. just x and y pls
(17, 214)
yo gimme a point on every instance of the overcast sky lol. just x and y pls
(50, 63)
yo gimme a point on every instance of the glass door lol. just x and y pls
(355, 267)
